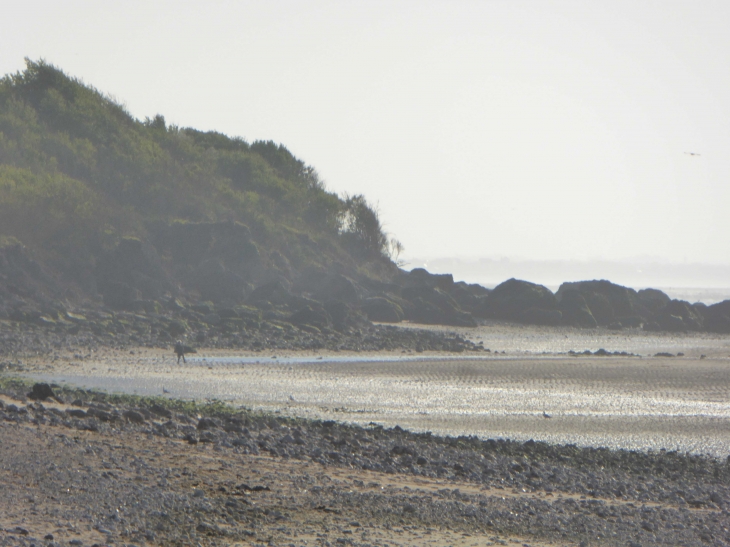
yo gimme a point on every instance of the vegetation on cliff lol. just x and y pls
(229, 238)
(78, 173)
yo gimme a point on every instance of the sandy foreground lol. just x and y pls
(62, 480)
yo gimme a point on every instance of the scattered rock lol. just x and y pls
(207, 423)
(41, 392)
(76, 412)
(133, 416)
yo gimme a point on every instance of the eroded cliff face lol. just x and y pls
(212, 283)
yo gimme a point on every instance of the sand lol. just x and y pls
(632, 402)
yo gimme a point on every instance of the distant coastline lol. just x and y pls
(693, 282)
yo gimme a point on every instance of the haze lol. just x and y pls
(569, 131)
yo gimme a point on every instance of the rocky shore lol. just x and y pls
(122, 330)
(138, 300)
(84, 468)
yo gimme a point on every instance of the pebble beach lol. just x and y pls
(308, 449)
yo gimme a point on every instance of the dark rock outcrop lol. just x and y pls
(691, 318)
(41, 392)
(345, 316)
(652, 299)
(606, 301)
(576, 312)
(383, 310)
(419, 277)
(469, 296)
(717, 317)
(315, 316)
(275, 292)
(324, 286)
(431, 305)
(511, 300)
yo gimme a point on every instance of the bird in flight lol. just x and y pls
(692, 154)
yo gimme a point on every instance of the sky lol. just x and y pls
(521, 130)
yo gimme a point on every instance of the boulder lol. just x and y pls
(468, 296)
(606, 301)
(653, 299)
(133, 416)
(509, 301)
(382, 310)
(313, 316)
(419, 277)
(691, 318)
(274, 292)
(576, 312)
(344, 315)
(474, 288)
(374, 287)
(340, 313)
(41, 392)
(425, 312)
(717, 317)
(206, 423)
(600, 307)
(431, 294)
(433, 306)
(324, 286)
(667, 322)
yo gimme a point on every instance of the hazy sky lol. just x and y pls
(541, 129)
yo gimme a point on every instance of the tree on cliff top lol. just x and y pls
(359, 223)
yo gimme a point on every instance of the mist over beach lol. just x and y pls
(370, 274)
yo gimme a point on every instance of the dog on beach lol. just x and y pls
(181, 349)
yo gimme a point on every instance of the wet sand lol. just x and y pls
(533, 391)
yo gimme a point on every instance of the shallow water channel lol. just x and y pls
(620, 402)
